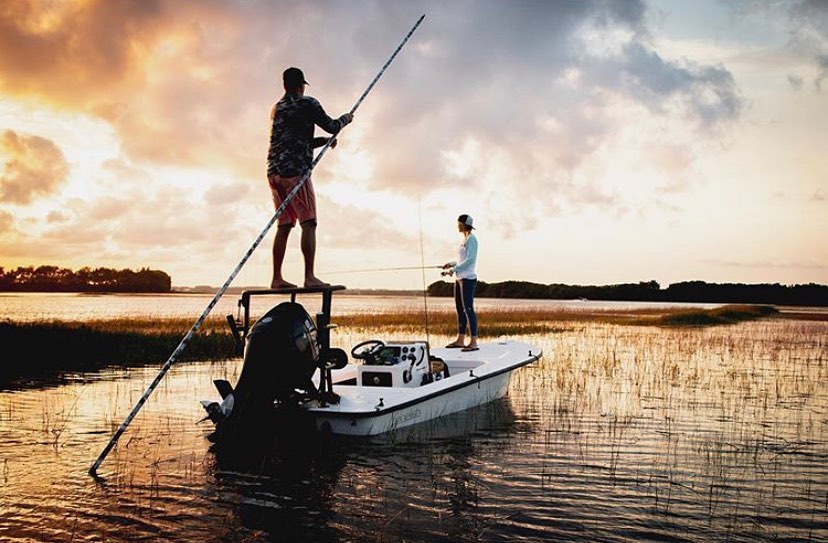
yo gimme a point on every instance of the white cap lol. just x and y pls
(467, 220)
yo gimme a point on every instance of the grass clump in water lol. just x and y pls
(727, 314)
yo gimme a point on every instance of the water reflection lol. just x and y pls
(286, 487)
(619, 433)
(322, 488)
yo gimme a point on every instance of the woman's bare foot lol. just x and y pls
(281, 284)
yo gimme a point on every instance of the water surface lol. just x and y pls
(37, 306)
(620, 433)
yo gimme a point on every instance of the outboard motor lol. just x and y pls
(281, 354)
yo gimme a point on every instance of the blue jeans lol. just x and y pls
(464, 303)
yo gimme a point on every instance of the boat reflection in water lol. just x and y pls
(319, 487)
(281, 483)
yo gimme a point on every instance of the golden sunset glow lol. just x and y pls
(593, 142)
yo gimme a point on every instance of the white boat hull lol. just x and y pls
(476, 378)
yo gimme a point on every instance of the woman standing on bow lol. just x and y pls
(464, 285)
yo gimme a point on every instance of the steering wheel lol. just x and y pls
(369, 347)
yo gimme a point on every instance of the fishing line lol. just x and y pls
(422, 261)
(181, 346)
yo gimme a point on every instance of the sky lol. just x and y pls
(593, 141)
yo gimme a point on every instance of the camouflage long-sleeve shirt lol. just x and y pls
(291, 134)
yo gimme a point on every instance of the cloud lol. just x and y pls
(795, 81)
(706, 93)
(96, 45)
(810, 18)
(166, 75)
(352, 223)
(544, 86)
(769, 264)
(673, 163)
(56, 217)
(229, 193)
(822, 61)
(808, 21)
(108, 208)
(6, 222)
(138, 228)
(34, 167)
(537, 85)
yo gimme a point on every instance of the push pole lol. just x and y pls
(181, 346)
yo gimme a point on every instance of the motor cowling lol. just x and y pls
(281, 354)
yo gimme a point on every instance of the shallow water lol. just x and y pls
(37, 306)
(619, 433)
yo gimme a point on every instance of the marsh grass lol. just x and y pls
(729, 409)
(497, 323)
(699, 429)
(728, 314)
(48, 348)
(510, 321)
(51, 347)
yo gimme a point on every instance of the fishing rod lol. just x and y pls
(181, 346)
(404, 268)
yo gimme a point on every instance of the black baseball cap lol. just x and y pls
(466, 220)
(293, 77)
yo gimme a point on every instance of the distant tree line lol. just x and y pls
(54, 279)
(650, 291)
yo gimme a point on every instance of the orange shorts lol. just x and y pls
(302, 207)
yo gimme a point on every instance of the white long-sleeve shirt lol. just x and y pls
(467, 258)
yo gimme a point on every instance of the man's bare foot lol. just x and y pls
(281, 284)
(315, 282)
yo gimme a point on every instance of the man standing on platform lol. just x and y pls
(289, 158)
